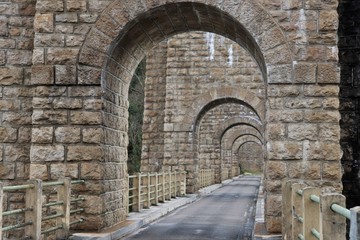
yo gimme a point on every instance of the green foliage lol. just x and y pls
(136, 114)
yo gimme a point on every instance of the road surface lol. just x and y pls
(225, 214)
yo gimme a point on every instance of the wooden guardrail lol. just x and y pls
(309, 214)
(146, 189)
(35, 207)
(207, 177)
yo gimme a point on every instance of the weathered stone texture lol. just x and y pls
(61, 100)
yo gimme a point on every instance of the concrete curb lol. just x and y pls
(259, 231)
(137, 220)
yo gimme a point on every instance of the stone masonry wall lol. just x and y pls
(67, 123)
(64, 100)
(251, 158)
(16, 48)
(195, 63)
(154, 114)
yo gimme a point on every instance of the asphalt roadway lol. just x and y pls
(225, 214)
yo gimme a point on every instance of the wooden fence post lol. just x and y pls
(64, 195)
(311, 212)
(297, 215)
(175, 185)
(183, 192)
(333, 225)
(33, 199)
(286, 209)
(163, 178)
(147, 203)
(170, 185)
(137, 193)
(156, 189)
(355, 223)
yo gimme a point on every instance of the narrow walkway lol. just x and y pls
(227, 213)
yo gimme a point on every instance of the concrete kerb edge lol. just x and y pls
(148, 216)
(259, 230)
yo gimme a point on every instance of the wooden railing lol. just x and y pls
(146, 189)
(309, 214)
(207, 177)
(35, 207)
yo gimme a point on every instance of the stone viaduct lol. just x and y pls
(225, 80)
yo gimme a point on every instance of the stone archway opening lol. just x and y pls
(185, 78)
(208, 142)
(135, 40)
(122, 36)
(249, 154)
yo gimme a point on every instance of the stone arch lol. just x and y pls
(126, 30)
(253, 164)
(237, 147)
(262, 36)
(242, 120)
(248, 131)
(232, 136)
(223, 95)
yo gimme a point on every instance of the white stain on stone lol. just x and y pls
(210, 38)
(230, 53)
(301, 32)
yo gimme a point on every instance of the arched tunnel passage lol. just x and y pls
(66, 68)
(123, 35)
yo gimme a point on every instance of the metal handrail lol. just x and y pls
(52, 229)
(334, 207)
(77, 211)
(18, 187)
(340, 210)
(50, 204)
(16, 211)
(315, 233)
(12, 227)
(52, 216)
(77, 221)
(315, 198)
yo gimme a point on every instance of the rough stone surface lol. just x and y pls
(65, 73)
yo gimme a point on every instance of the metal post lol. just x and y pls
(33, 199)
(333, 225)
(64, 195)
(311, 212)
(355, 223)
